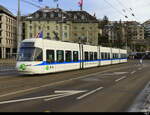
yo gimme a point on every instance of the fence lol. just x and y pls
(9, 63)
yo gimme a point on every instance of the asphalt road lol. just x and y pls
(102, 89)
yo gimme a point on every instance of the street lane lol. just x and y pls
(100, 87)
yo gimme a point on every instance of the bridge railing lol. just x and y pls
(8, 63)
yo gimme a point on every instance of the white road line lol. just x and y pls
(89, 93)
(139, 68)
(133, 72)
(29, 99)
(120, 78)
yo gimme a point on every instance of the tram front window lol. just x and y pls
(30, 54)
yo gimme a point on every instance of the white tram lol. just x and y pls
(39, 56)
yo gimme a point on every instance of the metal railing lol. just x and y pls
(9, 63)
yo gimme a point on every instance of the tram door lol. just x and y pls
(81, 56)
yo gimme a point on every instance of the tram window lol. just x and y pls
(75, 56)
(86, 56)
(91, 56)
(113, 56)
(68, 56)
(50, 56)
(95, 55)
(38, 54)
(60, 56)
(117, 56)
(102, 55)
(108, 55)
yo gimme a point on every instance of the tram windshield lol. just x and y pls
(30, 54)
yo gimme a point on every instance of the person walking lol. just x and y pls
(141, 60)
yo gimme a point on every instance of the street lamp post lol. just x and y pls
(18, 27)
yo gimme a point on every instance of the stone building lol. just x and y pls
(146, 26)
(135, 36)
(56, 24)
(8, 37)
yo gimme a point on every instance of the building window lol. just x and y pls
(30, 35)
(44, 15)
(30, 27)
(56, 27)
(83, 28)
(59, 15)
(52, 15)
(37, 15)
(75, 17)
(75, 34)
(39, 27)
(65, 34)
(65, 27)
(75, 27)
(82, 17)
(47, 27)
(68, 56)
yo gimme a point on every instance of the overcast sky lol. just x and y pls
(114, 9)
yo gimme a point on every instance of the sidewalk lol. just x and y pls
(142, 102)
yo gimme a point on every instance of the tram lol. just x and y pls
(41, 56)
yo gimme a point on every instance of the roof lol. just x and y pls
(57, 14)
(6, 11)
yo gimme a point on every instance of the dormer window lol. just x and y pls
(59, 15)
(75, 17)
(82, 17)
(52, 15)
(37, 15)
(44, 15)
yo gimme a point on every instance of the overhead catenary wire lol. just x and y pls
(116, 9)
(31, 3)
(130, 10)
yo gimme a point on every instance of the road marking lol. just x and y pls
(65, 94)
(115, 73)
(89, 93)
(56, 83)
(51, 97)
(133, 72)
(139, 68)
(120, 78)
(120, 73)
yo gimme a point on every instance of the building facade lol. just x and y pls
(135, 36)
(146, 26)
(56, 24)
(8, 31)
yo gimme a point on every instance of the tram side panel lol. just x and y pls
(105, 53)
(123, 56)
(66, 57)
(115, 55)
(90, 56)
